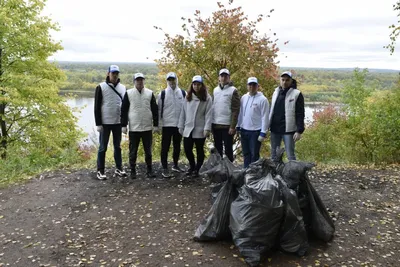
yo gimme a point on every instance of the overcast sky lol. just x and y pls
(321, 33)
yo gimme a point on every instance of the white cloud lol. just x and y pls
(339, 33)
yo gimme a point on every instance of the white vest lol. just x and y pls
(290, 108)
(173, 103)
(111, 105)
(139, 114)
(222, 105)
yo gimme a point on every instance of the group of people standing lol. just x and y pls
(194, 115)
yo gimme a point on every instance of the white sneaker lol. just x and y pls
(120, 173)
(101, 176)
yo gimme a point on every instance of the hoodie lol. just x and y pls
(254, 113)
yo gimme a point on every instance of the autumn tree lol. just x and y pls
(225, 39)
(32, 114)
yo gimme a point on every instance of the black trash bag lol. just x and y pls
(259, 169)
(321, 223)
(293, 235)
(215, 188)
(255, 218)
(292, 171)
(238, 177)
(215, 225)
(217, 169)
(213, 160)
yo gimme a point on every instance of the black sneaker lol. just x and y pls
(120, 172)
(101, 175)
(133, 174)
(150, 174)
(176, 168)
(165, 173)
(195, 174)
(189, 172)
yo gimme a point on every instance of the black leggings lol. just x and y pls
(188, 143)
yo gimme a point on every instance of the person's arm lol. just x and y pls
(209, 112)
(125, 110)
(264, 117)
(154, 110)
(235, 109)
(182, 118)
(159, 103)
(240, 117)
(98, 99)
(300, 113)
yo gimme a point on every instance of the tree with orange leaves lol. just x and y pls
(225, 39)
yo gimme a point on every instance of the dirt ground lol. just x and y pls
(68, 218)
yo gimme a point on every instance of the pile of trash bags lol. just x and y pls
(269, 205)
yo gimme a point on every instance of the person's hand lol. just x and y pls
(180, 131)
(124, 130)
(206, 133)
(156, 129)
(232, 131)
(260, 139)
(100, 128)
(296, 136)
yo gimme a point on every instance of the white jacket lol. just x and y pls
(196, 117)
(173, 103)
(139, 114)
(254, 113)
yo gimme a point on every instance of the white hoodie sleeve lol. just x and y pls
(182, 117)
(264, 117)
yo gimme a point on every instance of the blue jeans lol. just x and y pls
(250, 146)
(276, 140)
(103, 140)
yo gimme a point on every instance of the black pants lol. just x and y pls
(222, 139)
(147, 141)
(169, 133)
(188, 143)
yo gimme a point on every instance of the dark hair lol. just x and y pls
(202, 94)
(294, 84)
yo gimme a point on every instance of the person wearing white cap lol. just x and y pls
(107, 113)
(140, 111)
(286, 117)
(252, 121)
(226, 106)
(170, 101)
(195, 123)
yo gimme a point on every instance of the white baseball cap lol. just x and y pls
(197, 78)
(138, 75)
(171, 75)
(113, 68)
(252, 80)
(226, 71)
(288, 73)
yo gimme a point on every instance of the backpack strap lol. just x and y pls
(113, 88)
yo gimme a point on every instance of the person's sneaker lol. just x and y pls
(176, 168)
(189, 172)
(150, 174)
(165, 173)
(120, 172)
(101, 175)
(133, 174)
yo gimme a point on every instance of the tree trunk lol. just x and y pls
(3, 128)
